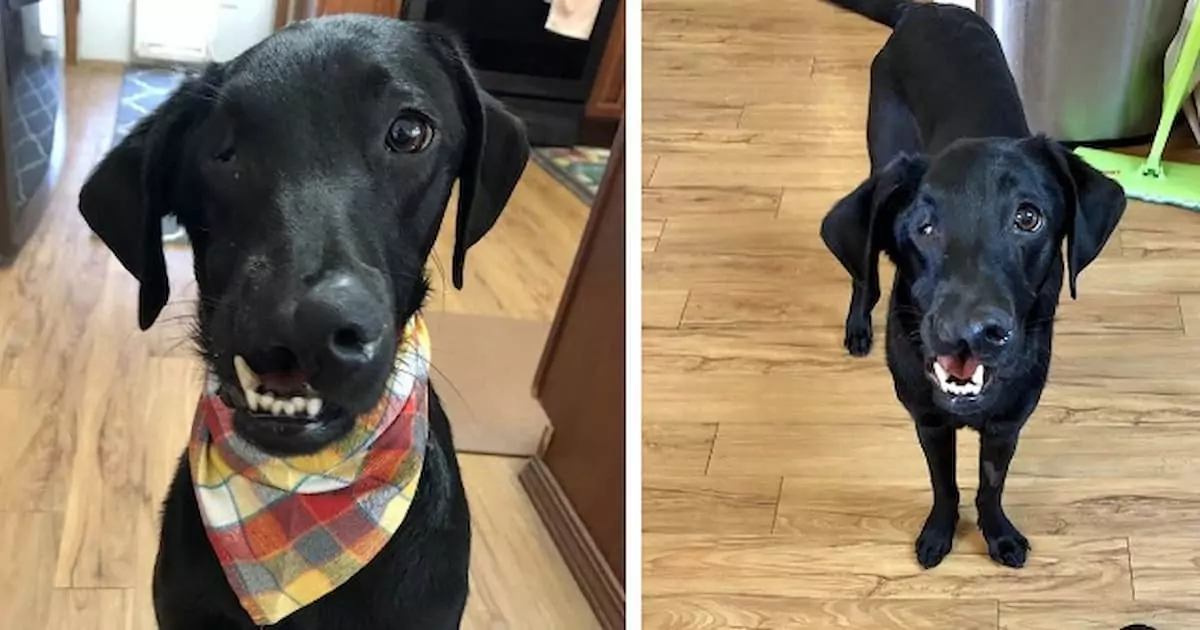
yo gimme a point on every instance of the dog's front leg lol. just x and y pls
(937, 440)
(1005, 544)
(863, 297)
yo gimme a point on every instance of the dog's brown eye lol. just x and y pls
(1028, 218)
(409, 133)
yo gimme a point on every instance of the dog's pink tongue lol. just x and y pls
(961, 368)
(283, 382)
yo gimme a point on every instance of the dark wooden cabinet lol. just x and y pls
(578, 482)
(607, 100)
(291, 10)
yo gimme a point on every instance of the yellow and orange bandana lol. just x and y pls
(289, 530)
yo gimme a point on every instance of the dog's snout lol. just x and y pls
(984, 331)
(339, 324)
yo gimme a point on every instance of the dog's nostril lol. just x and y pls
(996, 334)
(350, 338)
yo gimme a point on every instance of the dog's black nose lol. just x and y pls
(986, 330)
(338, 324)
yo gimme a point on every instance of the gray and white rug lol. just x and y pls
(143, 89)
(35, 87)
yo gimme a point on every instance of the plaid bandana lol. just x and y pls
(289, 530)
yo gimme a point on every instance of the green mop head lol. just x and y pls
(1173, 183)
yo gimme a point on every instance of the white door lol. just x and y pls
(174, 30)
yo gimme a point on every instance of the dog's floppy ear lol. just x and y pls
(126, 196)
(1094, 205)
(494, 158)
(860, 225)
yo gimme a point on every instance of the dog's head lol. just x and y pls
(976, 233)
(311, 174)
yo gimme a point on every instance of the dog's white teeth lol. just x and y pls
(246, 377)
(263, 401)
(942, 375)
(977, 377)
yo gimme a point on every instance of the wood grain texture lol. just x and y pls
(1097, 615)
(663, 308)
(1061, 568)
(768, 612)
(95, 414)
(754, 127)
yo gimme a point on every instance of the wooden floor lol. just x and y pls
(93, 413)
(784, 485)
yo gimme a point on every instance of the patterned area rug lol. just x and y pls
(35, 90)
(579, 168)
(142, 91)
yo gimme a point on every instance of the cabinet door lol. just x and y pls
(390, 8)
(607, 100)
(581, 379)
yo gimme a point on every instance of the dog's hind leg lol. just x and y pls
(892, 128)
(1006, 544)
(937, 536)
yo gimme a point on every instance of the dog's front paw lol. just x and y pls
(1006, 544)
(937, 537)
(858, 335)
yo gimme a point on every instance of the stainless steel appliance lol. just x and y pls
(31, 116)
(1087, 70)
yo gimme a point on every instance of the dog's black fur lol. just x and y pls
(973, 210)
(311, 174)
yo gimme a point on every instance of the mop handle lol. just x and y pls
(1177, 88)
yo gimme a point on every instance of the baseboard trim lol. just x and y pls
(600, 587)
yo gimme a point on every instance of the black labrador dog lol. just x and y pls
(315, 167)
(973, 211)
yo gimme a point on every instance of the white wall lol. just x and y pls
(106, 28)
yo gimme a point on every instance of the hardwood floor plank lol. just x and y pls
(506, 542)
(1097, 615)
(667, 114)
(652, 231)
(35, 454)
(1160, 230)
(748, 309)
(891, 451)
(676, 449)
(30, 543)
(663, 309)
(707, 397)
(94, 609)
(713, 505)
(649, 163)
(1062, 568)
(738, 612)
(1167, 569)
(895, 509)
(738, 234)
(746, 203)
(1189, 305)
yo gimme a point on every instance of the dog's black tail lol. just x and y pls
(885, 12)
